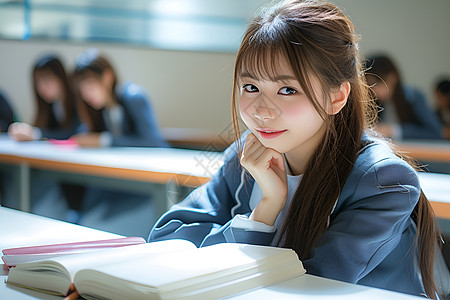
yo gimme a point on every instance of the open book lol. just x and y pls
(173, 269)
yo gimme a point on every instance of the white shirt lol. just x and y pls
(114, 122)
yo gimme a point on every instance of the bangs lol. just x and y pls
(261, 62)
(267, 43)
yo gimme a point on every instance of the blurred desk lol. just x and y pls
(437, 189)
(133, 169)
(27, 229)
(427, 150)
(434, 155)
(199, 138)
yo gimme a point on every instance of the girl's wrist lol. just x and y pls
(267, 210)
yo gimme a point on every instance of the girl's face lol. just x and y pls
(49, 87)
(94, 92)
(279, 113)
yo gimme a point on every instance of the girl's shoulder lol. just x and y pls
(377, 156)
(130, 91)
(374, 150)
(379, 171)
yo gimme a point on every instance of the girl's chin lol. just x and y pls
(272, 144)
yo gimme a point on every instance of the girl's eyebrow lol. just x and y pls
(274, 79)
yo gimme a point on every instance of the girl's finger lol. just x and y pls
(272, 157)
(248, 143)
(279, 162)
(249, 149)
(256, 152)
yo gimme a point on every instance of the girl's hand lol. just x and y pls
(21, 132)
(88, 140)
(267, 168)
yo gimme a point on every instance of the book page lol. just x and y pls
(212, 265)
(126, 255)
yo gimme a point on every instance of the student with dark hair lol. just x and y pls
(116, 115)
(310, 174)
(404, 112)
(442, 95)
(7, 116)
(56, 116)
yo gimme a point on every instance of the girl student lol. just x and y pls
(116, 115)
(309, 174)
(404, 112)
(56, 116)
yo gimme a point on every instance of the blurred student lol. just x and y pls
(6, 119)
(116, 115)
(442, 95)
(404, 113)
(56, 116)
(6, 113)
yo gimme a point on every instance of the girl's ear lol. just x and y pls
(339, 98)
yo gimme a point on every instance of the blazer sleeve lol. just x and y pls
(205, 216)
(146, 131)
(62, 133)
(369, 224)
(6, 114)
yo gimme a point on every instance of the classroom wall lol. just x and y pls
(192, 89)
(188, 89)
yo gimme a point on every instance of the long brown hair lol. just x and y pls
(44, 117)
(318, 40)
(92, 64)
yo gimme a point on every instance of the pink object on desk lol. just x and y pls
(71, 142)
(14, 256)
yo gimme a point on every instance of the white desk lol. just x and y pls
(318, 288)
(28, 229)
(22, 229)
(134, 169)
(437, 189)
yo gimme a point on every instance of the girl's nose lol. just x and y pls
(263, 112)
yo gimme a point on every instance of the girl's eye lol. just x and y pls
(250, 88)
(287, 91)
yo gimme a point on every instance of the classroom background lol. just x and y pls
(185, 84)
(182, 53)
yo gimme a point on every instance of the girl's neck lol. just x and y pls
(298, 158)
(296, 166)
(111, 102)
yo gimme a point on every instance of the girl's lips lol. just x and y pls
(270, 133)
